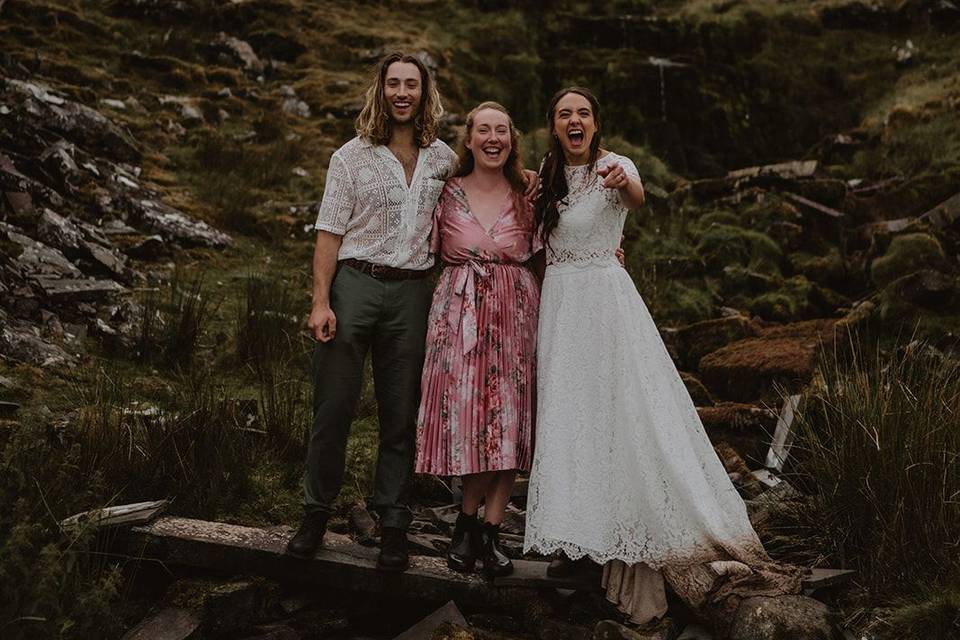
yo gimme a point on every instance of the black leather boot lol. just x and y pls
(495, 563)
(393, 550)
(309, 536)
(465, 544)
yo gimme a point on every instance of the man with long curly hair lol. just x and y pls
(370, 294)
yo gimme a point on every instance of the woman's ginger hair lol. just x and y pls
(374, 124)
(513, 168)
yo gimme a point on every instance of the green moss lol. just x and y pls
(722, 244)
(829, 269)
(906, 254)
(722, 216)
(785, 304)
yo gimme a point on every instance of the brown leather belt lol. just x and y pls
(382, 272)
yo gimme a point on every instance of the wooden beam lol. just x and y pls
(340, 563)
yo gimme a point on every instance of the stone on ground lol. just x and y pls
(783, 618)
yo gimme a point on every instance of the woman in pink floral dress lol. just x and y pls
(477, 410)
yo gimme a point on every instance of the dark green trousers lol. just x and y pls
(389, 318)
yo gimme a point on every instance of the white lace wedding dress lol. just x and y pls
(623, 470)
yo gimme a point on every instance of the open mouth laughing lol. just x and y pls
(576, 136)
(492, 151)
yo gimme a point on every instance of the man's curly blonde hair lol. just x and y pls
(374, 124)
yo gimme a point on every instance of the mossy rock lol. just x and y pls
(722, 244)
(789, 302)
(740, 279)
(829, 270)
(906, 254)
(908, 298)
(681, 302)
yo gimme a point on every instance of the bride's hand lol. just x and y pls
(614, 177)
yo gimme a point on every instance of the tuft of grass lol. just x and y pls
(285, 412)
(188, 448)
(267, 328)
(171, 329)
(878, 451)
(234, 176)
(930, 615)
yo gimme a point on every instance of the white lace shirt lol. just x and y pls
(367, 201)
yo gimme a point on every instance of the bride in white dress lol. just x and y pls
(623, 471)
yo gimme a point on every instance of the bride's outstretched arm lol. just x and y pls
(630, 187)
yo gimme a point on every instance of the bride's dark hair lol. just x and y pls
(553, 180)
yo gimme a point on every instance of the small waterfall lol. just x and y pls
(661, 64)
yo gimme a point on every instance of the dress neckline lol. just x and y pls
(504, 208)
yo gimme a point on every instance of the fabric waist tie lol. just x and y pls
(463, 306)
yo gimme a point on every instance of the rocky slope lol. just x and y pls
(802, 161)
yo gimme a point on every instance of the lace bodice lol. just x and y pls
(591, 217)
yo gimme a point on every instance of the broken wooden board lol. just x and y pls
(783, 435)
(787, 170)
(821, 578)
(126, 514)
(168, 624)
(340, 563)
(424, 629)
(816, 206)
(944, 214)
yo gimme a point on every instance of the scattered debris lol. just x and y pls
(127, 514)
(784, 434)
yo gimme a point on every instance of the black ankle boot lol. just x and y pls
(309, 536)
(495, 563)
(393, 550)
(465, 544)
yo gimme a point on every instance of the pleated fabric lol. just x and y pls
(478, 404)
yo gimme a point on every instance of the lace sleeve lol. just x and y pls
(339, 198)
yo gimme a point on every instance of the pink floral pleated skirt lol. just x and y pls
(478, 391)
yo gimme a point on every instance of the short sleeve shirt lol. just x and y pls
(368, 202)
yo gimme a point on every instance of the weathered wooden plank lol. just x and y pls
(783, 435)
(424, 629)
(820, 578)
(168, 624)
(816, 206)
(340, 563)
(787, 170)
(126, 514)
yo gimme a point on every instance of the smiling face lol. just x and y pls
(574, 125)
(402, 90)
(489, 139)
